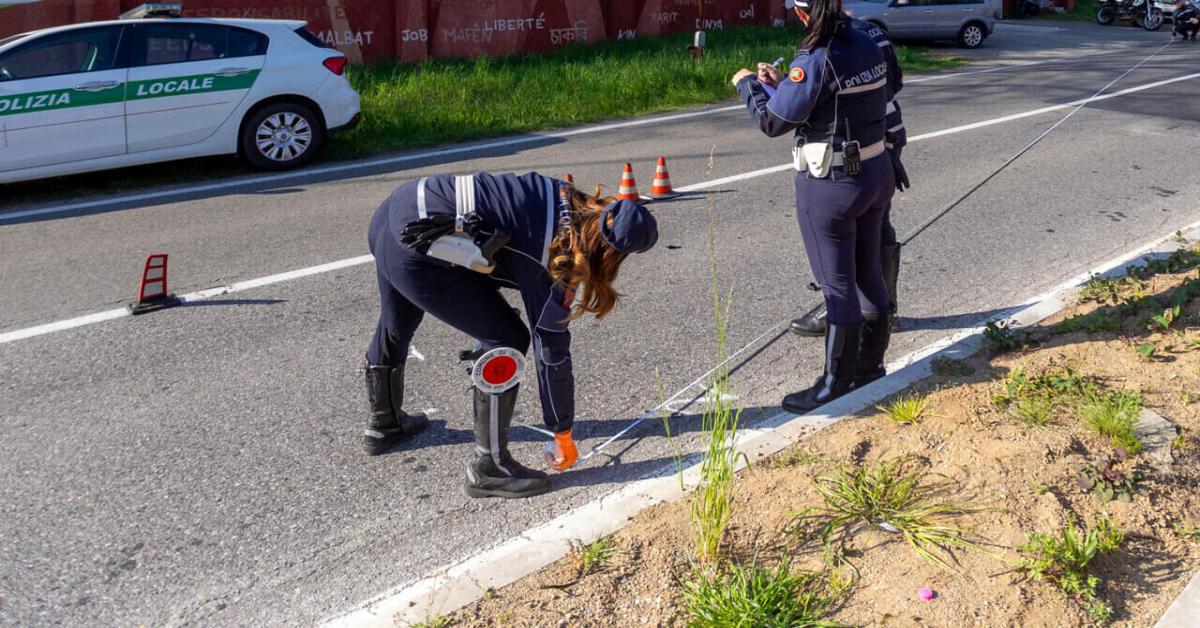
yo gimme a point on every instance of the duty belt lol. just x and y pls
(869, 152)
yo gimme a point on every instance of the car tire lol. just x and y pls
(281, 136)
(1106, 15)
(972, 35)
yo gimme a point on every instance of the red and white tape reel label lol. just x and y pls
(498, 370)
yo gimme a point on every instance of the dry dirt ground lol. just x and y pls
(1022, 479)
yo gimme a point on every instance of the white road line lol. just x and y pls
(1011, 66)
(89, 319)
(951, 131)
(454, 150)
(358, 165)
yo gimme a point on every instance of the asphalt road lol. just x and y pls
(201, 465)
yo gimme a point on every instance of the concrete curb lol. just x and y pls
(453, 587)
(1184, 612)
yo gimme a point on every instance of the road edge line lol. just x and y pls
(451, 588)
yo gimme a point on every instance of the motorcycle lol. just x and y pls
(1138, 12)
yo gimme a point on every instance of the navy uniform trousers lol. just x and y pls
(841, 220)
(411, 284)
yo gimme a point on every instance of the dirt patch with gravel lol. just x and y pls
(1020, 478)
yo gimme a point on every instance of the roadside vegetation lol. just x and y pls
(1014, 487)
(453, 100)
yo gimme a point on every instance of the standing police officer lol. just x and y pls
(445, 245)
(835, 99)
(813, 323)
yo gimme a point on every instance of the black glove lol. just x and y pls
(419, 234)
(901, 175)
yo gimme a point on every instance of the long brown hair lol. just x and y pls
(824, 16)
(582, 261)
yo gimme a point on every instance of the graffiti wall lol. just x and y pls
(411, 30)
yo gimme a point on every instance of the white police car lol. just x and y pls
(151, 87)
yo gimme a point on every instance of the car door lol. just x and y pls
(909, 19)
(186, 79)
(62, 98)
(952, 14)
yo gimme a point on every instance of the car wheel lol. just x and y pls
(1153, 20)
(281, 136)
(1106, 15)
(971, 35)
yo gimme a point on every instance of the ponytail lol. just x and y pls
(824, 18)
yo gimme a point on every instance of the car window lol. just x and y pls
(69, 52)
(156, 44)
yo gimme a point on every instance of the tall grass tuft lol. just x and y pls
(895, 496)
(757, 596)
(711, 505)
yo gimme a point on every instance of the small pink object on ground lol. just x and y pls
(925, 593)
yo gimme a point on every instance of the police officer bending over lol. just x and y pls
(835, 99)
(813, 323)
(443, 245)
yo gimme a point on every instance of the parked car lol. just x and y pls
(151, 87)
(968, 22)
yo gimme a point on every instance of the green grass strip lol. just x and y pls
(453, 100)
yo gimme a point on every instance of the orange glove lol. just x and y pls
(561, 453)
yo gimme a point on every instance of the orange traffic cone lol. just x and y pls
(661, 188)
(628, 191)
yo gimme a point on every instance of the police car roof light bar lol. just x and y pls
(153, 9)
(938, 216)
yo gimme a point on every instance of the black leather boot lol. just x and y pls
(889, 257)
(494, 472)
(876, 334)
(811, 324)
(841, 356)
(389, 424)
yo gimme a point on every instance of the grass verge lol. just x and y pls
(453, 100)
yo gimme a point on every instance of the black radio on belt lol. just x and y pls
(851, 158)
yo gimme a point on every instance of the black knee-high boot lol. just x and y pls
(494, 472)
(889, 257)
(841, 356)
(876, 335)
(389, 423)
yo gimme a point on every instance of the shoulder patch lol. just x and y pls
(797, 75)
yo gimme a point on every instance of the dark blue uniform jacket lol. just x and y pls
(897, 136)
(843, 81)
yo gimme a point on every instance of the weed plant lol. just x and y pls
(1188, 532)
(711, 505)
(906, 409)
(594, 557)
(1036, 399)
(1095, 322)
(892, 495)
(1113, 414)
(1108, 482)
(948, 367)
(796, 458)
(754, 596)
(1064, 557)
(1002, 337)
